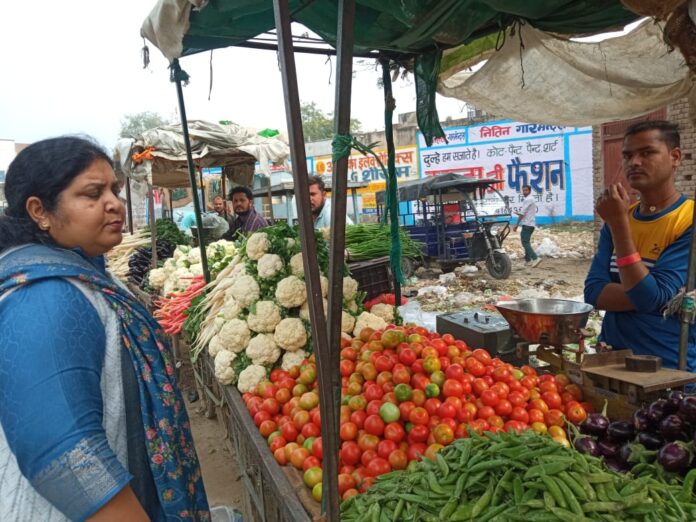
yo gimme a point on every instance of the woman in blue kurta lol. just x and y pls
(93, 425)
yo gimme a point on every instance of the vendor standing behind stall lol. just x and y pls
(247, 220)
(643, 252)
(320, 204)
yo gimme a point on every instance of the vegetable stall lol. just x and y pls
(485, 401)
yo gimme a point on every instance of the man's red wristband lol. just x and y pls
(628, 260)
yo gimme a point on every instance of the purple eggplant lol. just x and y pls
(596, 425)
(674, 399)
(672, 427)
(615, 465)
(656, 412)
(687, 409)
(652, 441)
(608, 449)
(674, 457)
(587, 445)
(620, 431)
(641, 422)
(624, 454)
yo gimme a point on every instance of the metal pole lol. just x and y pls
(223, 188)
(129, 205)
(688, 302)
(270, 197)
(171, 203)
(153, 224)
(354, 197)
(200, 180)
(329, 422)
(191, 168)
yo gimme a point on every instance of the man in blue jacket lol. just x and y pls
(643, 252)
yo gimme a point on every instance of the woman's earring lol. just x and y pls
(44, 226)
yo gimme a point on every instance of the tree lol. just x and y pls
(133, 125)
(319, 126)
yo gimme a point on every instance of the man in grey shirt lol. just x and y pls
(527, 218)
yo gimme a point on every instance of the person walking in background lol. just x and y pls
(527, 219)
(93, 425)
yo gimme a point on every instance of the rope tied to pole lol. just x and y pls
(177, 74)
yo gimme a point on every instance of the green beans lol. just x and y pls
(519, 477)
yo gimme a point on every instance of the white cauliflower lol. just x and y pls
(181, 251)
(350, 288)
(347, 322)
(324, 285)
(290, 334)
(235, 335)
(157, 277)
(263, 350)
(291, 359)
(257, 245)
(215, 346)
(245, 290)
(224, 372)
(352, 307)
(238, 270)
(291, 292)
(296, 266)
(230, 309)
(196, 269)
(269, 265)
(290, 243)
(218, 323)
(304, 310)
(170, 265)
(365, 320)
(182, 273)
(265, 318)
(383, 310)
(194, 256)
(250, 377)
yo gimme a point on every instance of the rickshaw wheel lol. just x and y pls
(408, 267)
(499, 265)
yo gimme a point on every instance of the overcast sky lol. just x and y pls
(75, 67)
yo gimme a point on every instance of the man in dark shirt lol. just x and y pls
(247, 219)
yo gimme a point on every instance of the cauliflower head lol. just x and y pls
(215, 346)
(245, 290)
(291, 292)
(224, 372)
(324, 285)
(290, 334)
(194, 256)
(292, 359)
(347, 322)
(257, 245)
(265, 318)
(269, 265)
(250, 377)
(234, 335)
(296, 266)
(196, 269)
(262, 350)
(238, 270)
(230, 309)
(385, 311)
(157, 277)
(304, 310)
(350, 288)
(365, 320)
(352, 307)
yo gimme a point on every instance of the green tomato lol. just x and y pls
(432, 390)
(308, 444)
(403, 392)
(438, 377)
(389, 412)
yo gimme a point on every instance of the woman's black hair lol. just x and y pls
(44, 169)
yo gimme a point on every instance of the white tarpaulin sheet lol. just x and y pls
(556, 81)
(229, 146)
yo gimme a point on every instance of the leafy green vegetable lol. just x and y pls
(369, 241)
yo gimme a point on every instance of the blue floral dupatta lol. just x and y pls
(172, 457)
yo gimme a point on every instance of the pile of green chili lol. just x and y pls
(369, 241)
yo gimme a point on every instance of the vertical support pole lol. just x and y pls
(200, 180)
(171, 203)
(176, 75)
(687, 308)
(270, 198)
(356, 214)
(129, 205)
(153, 227)
(322, 348)
(223, 189)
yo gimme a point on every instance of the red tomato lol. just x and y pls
(345, 482)
(419, 415)
(485, 412)
(358, 418)
(315, 414)
(260, 417)
(504, 408)
(479, 386)
(553, 399)
(443, 434)
(350, 453)
(554, 418)
(419, 381)
(267, 427)
(455, 371)
(575, 413)
(538, 404)
(461, 431)
(401, 376)
(311, 462)
(394, 432)
(367, 441)
(490, 398)
(367, 456)
(383, 363)
(495, 421)
(452, 388)
(482, 355)
(432, 405)
(373, 407)
(519, 414)
(385, 447)
(447, 410)
(419, 433)
(416, 451)
(277, 443)
(398, 459)
(318, 448)
(348, 431)
(374, 425)
(501, 389)
(516, 399)
(346, 367)
(310, 430)
(289, 431)
(528, 381)
(475, 367)
(535, 415)
(405, 409)
(479, 426)
(279, 455)
(548, 386)
(513, 425)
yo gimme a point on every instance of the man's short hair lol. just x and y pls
(669, 132)
(317, 180)
(218, 197)
(528, 187)
(242, 190)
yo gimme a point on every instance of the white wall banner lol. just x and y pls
(555, 161)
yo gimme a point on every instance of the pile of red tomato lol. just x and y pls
(407, 393)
